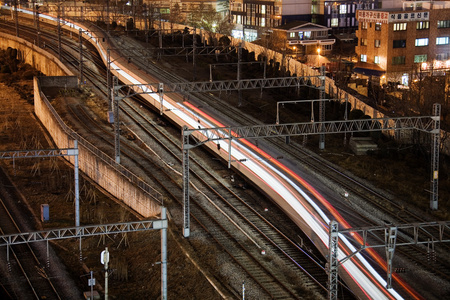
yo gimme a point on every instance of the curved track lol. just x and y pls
(348, 184)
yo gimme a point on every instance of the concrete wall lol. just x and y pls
(103, 170)
(34, 56)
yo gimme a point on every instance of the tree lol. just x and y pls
(175, 16)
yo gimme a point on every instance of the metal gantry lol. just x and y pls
(205, 135)
(94, 230)
(52, 153)
(422, 233)
(312, 101)
(119, 92)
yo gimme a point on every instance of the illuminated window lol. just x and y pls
(263, 22)
(422, 42)
(442, 40)
(399, 26)
(363, 57)
(378, 26)
(292, 34)
(423, 25)
(363, 42)
(343, 9)
(263, 9)
(334, 22)
(443, 24)
(376, 59)
(399, 44)
(420, 58)
(377, 43)
(363, 25)
(398, 60)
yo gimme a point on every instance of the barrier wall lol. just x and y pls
(37, 57)
(103, 170)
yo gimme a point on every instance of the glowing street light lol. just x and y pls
(318, 57)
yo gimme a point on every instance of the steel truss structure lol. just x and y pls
(429, 124)
(119, 92)
(189, 51)
(417, 233)
(9, 240)
(52, 153)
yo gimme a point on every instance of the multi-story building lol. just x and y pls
(402, 42)
(340, 15)
(254, 17)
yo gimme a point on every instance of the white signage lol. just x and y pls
(384, 17)
(409, 16)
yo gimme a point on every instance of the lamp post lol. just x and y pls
(318, 57)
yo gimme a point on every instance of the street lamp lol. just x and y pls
(318, 57)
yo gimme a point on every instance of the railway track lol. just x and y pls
(433, 258)
(27, 274)
(348, 184)
(239, 224)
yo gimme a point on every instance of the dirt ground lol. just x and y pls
(134, 258)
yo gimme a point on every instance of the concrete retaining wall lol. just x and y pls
(36, 57)
(103, 170)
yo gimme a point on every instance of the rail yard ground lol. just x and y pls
(48, 181)
(403, 173)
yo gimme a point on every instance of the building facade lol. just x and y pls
(404, 41)
(303, 38)
(254, 17)
(340, 16)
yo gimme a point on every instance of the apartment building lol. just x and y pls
(254, 17)
(398, 43)
(340, 16)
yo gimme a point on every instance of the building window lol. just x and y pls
(443, 24)
(398, 60)
(363, 57)
(263, 22)
(334, 22)
(377, 43)
(399, 44)
(291, 35)
(443, 40)
(420, 58)
(423, 25)
(399, 26)
(263, 9)
(421, 42)
(378, 26)
(376, 60)
(363, 42)
(442, 56)
(343, 9)
(363, 25)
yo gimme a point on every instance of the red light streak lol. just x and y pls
(331, 209)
